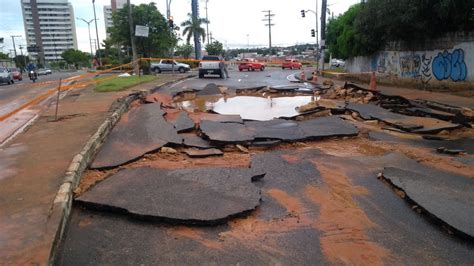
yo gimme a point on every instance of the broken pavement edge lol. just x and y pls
(61, 208)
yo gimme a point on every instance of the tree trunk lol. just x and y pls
(197, 39)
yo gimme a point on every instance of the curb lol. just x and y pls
(62, 205)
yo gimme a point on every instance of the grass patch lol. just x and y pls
(122, 83)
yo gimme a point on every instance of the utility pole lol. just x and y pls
(212, 40)
(13, 39)
(268, 19)
(132, 38)
(97, 34)
(207, 23)
(24, 57)
(323, 32)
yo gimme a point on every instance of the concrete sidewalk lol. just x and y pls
(33, 167)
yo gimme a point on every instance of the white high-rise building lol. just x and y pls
(49, 26)
(108, 10)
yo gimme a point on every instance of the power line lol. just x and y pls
(268, 19)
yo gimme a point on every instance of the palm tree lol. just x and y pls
(192, 28)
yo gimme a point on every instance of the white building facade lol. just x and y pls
(50, 27)
(108, 10)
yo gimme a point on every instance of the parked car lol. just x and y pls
(42, 71)
(16, 74)
(6, 76)
(338, 63)
(167, 65)
(291, 64)
(48, 71)
(251, 64)
(212, 65)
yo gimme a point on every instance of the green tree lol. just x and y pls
(215, 48)
(341, 37)
(160, 38)
(367, 27)
(4, 56)
(20, 61)
(75, 57)
(193, 28)
(184, 50)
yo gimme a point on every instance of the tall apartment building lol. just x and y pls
(108, 10)
(49, 25)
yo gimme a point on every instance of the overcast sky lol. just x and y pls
(231, 20)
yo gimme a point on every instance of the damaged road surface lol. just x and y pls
(258, 170)
(177, 197)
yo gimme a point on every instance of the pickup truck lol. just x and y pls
(212, 65)
(167, 65)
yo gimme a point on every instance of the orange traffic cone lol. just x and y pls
(373, 82)
(315, 77)
(303, 76)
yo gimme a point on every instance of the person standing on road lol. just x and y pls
(224, 68)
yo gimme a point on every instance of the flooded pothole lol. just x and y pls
(248, 107)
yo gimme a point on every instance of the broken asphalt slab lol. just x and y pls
(194, 141)
(202, 153)
(279, 129)
(183, 123)
(140, 131)
(202, 196)
(447, 197)
(406, 123)
(226, 132)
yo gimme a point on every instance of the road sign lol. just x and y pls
(141, 31)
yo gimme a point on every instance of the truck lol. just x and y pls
(169, 65)
(212, 65)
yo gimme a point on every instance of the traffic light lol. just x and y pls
(313, 33)
(170, 22)
(303, 13)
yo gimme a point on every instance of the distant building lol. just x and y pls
(108, 10)
(50, 27)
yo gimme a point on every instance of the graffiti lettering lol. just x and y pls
(450, 66)
(426, 70)
(410, 66)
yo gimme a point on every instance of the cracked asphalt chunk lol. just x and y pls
(447, 197)
(226, 132)
(140, 131)
(407, 123)
(192, 140)
(203, 196)
(331, 126)
(183, 123)
(276, 129)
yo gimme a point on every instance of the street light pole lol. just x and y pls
(89, 29)
(97, 34)
(136, 67)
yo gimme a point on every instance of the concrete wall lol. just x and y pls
(444, 62)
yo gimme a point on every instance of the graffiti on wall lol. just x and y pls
(450, 66)
(410, 66)
(426, 75)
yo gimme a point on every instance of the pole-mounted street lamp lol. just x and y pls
(89, 28)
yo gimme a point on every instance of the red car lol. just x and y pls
(251, 65)
(16, 74)
(291, 64)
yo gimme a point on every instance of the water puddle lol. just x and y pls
(248, 107)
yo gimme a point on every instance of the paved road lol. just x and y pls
(14, 96)
(269, 77)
